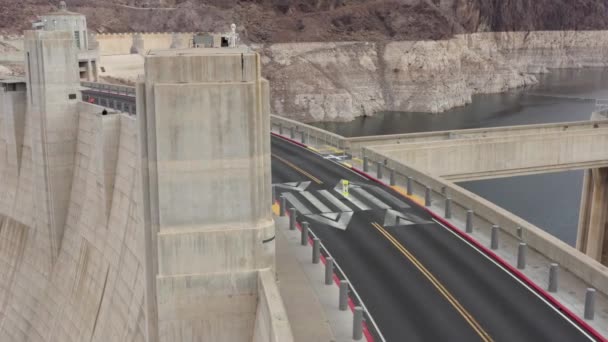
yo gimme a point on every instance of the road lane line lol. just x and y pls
(518, 280)
(431, 278)
(293, 166)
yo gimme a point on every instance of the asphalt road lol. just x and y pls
(419, 280)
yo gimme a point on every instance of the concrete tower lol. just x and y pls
(76, 25)
(52, 98)
(204, 132)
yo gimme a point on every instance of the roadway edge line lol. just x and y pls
(557, 304)
(367, 332)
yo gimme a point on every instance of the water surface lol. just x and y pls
(550, 201)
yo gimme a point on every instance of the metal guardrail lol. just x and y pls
(306, 133)
(110, 88)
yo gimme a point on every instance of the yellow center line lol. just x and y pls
(293, 166)
(431, 278)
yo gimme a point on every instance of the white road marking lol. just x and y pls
(591, 338)
(301, 208)
(315, 202)
(371, 198)
(343, 207)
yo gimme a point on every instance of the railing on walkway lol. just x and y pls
(110, 88)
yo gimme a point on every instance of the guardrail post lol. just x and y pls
(365, 164)
(392, 177)
(448, 208)
(553, 278)
(304, 234)
(329, 270)
(521, 255)
(316, 250)
(343, 297)
(303, 137)
(410, 186)
(590, 304)
(358, 323)
(494, 237)
(292, 133)
(292, 218)
(282, 205)
(379, 170)
(470, 216)
(427, 197)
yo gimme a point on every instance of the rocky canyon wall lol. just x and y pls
(340, 81)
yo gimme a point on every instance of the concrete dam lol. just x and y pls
(102, 237)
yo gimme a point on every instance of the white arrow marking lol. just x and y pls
(341, 223)
(394, 218)
(295, 186)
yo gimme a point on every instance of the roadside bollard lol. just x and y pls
(379, 170)
(303, 137)
(365, 164)
(470, 215)
(448, 208)
(392, 176)
(304, 234)
(427, 197)
(316, 250)
(283, 205)
(521, 255)
(274, 196)
(292, 218)
(410, 186)
(590, 304)
(494, 237)
(343, 297)
(329, 270)
(553, 278)
(292, 133)
(358, 323)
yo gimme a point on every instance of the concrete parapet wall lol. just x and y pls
(121, 43)
(271, 322)
(587, 269)
(355, 144)
(464, 158)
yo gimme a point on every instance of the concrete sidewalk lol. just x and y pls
(312, 306)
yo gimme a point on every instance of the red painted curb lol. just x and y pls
(366, 332)
(503, 263)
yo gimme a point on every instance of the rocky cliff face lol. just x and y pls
(274, 21)
(339, 81)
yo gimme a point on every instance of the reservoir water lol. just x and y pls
(550, 201)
